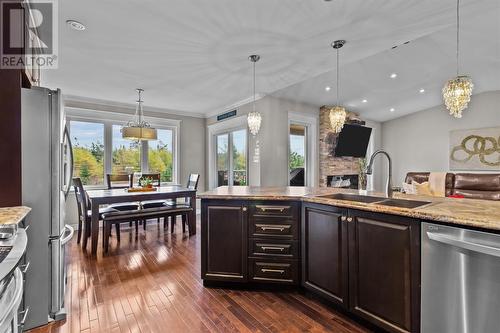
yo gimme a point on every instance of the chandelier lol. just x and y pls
(337, 113)
(254, 118)
(457, 91)
(138, 129)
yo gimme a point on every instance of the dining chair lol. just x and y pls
(121, 181)
(84, 211)
(192, 184)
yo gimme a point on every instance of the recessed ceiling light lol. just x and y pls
(392, 109)
(327, 88)
(75, 25)
(394, 75)
(421, 91)
(364, 101)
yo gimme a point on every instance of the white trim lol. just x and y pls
(97, 104)
(218, 128)
(233, 106)
(312, 160)
(114, 117)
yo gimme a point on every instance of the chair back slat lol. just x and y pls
(118, 180)
(193, 180)
(82, 200)
(156, 177)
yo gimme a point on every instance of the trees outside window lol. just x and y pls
(88, 151)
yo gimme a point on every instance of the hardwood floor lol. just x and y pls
(152, 284)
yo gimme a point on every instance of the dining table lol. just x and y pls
(121, 195)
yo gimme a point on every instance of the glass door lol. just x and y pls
(231, 158)
(297, 155)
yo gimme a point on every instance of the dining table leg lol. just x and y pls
(94, 227)
(192, 216)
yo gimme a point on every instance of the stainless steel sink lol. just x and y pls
(403, 203)
(353, 197)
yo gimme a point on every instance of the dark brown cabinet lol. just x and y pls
(324, 252)
(224, 241)
(384, 270)
(367, 263)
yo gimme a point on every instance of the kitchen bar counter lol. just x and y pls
(482, 214)
(13, 215)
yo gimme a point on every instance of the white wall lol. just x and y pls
(420, 141)
(272, 170)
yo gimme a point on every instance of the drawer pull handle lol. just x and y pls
(267, 270)
(279, 209)
(265, 248)
(272, 228)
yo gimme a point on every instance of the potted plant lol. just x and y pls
(146, 182)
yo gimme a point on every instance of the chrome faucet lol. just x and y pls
(369, 170)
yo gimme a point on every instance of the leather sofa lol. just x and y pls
(484, 186)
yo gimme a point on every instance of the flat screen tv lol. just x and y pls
(353, 141)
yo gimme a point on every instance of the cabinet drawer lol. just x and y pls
(282, 209)
(279, 271)
(273, 248)
(280, 229)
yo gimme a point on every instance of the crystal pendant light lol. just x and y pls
(138, 129)
(337, 113)
(254, 118)
(457, 91)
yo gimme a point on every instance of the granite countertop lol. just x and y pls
(466, 212)
(13, 215)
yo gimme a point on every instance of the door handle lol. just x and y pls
(24, 268)
(463, 244)
(68, 237)
(23, 320)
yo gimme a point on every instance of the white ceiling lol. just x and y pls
(191, 56)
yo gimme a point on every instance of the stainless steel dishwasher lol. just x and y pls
(460, 280)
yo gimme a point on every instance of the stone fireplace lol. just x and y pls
(330, 167)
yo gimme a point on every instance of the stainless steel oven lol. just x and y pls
(460, 280)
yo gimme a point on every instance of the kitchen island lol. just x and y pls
(358, 250)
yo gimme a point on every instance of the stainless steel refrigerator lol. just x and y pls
(46, 180)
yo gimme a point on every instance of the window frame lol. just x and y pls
(108, 119)
(229, 125)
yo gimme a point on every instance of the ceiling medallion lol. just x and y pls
(138, 129)
(254, 118)
(338, 114)
(457, 91)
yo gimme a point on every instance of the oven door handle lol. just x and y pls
(463, 244)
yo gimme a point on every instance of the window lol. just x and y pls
(160, 155)
(99, 149)
(231, 159)
(88, 151)
(126, 155)
(297, 155)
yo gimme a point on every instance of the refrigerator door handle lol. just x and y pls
(67, 237)
(67, 182)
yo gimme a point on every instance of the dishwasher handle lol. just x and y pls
(460, 243)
